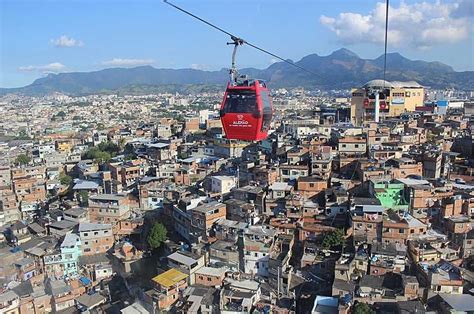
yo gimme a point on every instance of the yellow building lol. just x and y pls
(64, 145)
(168, 285)
(395, 99)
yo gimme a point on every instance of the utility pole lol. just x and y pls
(377, 106)
(278, 283)
(238, 176)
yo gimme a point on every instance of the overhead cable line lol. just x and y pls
(386, 32)
(237, 39)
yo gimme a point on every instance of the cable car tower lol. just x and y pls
(380, 93)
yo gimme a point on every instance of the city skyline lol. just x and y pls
(88, 36)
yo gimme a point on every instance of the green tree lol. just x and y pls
(334, 238)
(157, 235)
(61, 114)
(65, 179)
(22, 159)
(121, 143)
(109, 147)
(363, 308)
(102, 152)
(102, 156)
(83, 198)
(22, 135)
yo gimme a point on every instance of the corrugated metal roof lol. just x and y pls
(182, 259)
(170, 277)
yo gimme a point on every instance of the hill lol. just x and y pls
(341, 69)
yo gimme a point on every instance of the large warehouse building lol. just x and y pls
(395, 98)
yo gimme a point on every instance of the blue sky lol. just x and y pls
(42, 36)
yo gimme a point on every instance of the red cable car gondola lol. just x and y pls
(246, 111)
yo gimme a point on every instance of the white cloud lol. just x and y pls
(127, 62)
(421, 25)
(54, 67)
(65, 41)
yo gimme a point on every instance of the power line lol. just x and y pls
(238, 39)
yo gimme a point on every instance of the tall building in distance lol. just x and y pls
(395, 98)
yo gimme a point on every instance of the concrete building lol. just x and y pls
(399, 97)
(95, 238)
(108, 208)
(167, 288)
(222, 184)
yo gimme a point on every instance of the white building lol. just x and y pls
(222, 184)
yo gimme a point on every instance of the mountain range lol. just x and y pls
(340, 70)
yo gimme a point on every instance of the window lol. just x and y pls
(86, 234)
(209, 278)
(343, 145)
(243, 101)
(412, 231)
(267, 110)
(96, 233)
(356, 145)
(401, 230)
(311, 185)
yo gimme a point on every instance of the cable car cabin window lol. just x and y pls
(241, 102)
(267, 110)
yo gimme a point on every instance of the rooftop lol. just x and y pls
(182, 259)
(89, 226)
(107, 197)
(70, 240)
(170, 278)
(280, 186)
(211, 271)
